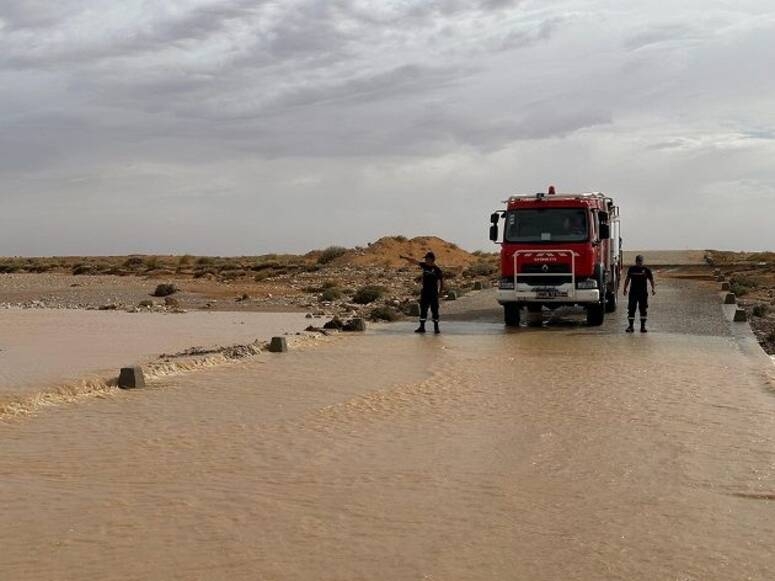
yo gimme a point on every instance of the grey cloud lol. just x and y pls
(206, 110)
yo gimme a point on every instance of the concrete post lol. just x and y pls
(131, 378)
(725, 286)
(452, 296)
(478, 285)
(740, 316)
(278, 345)
(730, 299)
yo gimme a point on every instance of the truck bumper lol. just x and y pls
(563, 295)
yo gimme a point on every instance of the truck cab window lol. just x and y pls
(547, 225)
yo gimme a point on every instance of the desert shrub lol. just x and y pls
(185, 260)
(152, 263)
(134, 262)
(331, 294)
(232, 274)
(384, 313)
(40, 267)
(262, 276)
(268, 265)
(400, 238)
(480, 268)
(145, 304)
(83, 268)
(369, 294)
(9, 267)
(760, 310)
(205, 261)
(165, 290)
(329, 284)
(739, 289)
(330, 254)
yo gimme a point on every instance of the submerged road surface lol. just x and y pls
(540, 453)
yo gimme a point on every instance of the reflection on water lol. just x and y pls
(478, 454)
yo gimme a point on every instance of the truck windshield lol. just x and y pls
(547, 225)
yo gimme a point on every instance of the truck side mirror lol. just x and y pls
(605, 231)
(495, 218)
(494, 232)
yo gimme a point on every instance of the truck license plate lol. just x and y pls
(550, 293)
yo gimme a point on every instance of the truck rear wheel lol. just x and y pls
(511, 314)
(611, 301)
(595, 314)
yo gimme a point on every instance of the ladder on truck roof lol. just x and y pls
(542, 196)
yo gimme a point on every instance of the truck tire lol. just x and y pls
(511, 314)
(611, 295)
(595, 314)
(611, 301)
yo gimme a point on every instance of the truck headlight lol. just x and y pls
(586, 284)
(506, 284)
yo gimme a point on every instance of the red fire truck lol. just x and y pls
(558, 250)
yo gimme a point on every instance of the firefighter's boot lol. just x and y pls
(643, 328)
(436, 327)
(630, 328)
(421, 328)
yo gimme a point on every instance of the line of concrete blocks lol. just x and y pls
(740, 315)
(134, 378)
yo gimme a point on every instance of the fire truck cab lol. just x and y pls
(558, 250)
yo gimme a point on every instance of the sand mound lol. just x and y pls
(388, 250)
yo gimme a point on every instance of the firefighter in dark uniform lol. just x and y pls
(432, 286)
(638, 277)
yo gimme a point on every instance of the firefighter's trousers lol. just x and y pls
(429, 302)
(638, 301)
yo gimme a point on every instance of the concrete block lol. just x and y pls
(716, 272)
(725, 286)
(730, 299)
(452, 296)
(131, 378)
(720, 278)
(740, 316)
(478, 285)
(278, 345)
(413, 310)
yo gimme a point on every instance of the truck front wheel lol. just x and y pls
(595, 314)
(511, 314)
(611, 301)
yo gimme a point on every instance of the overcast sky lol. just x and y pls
(244, 127)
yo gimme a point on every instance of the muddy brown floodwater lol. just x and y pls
(539, 453)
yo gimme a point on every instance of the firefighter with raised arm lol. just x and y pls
(432, 286)
(638, 278)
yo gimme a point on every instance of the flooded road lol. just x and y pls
(539, 453)
(39, 347)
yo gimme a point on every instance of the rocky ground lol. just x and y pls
(751, 277)
(370, 282)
